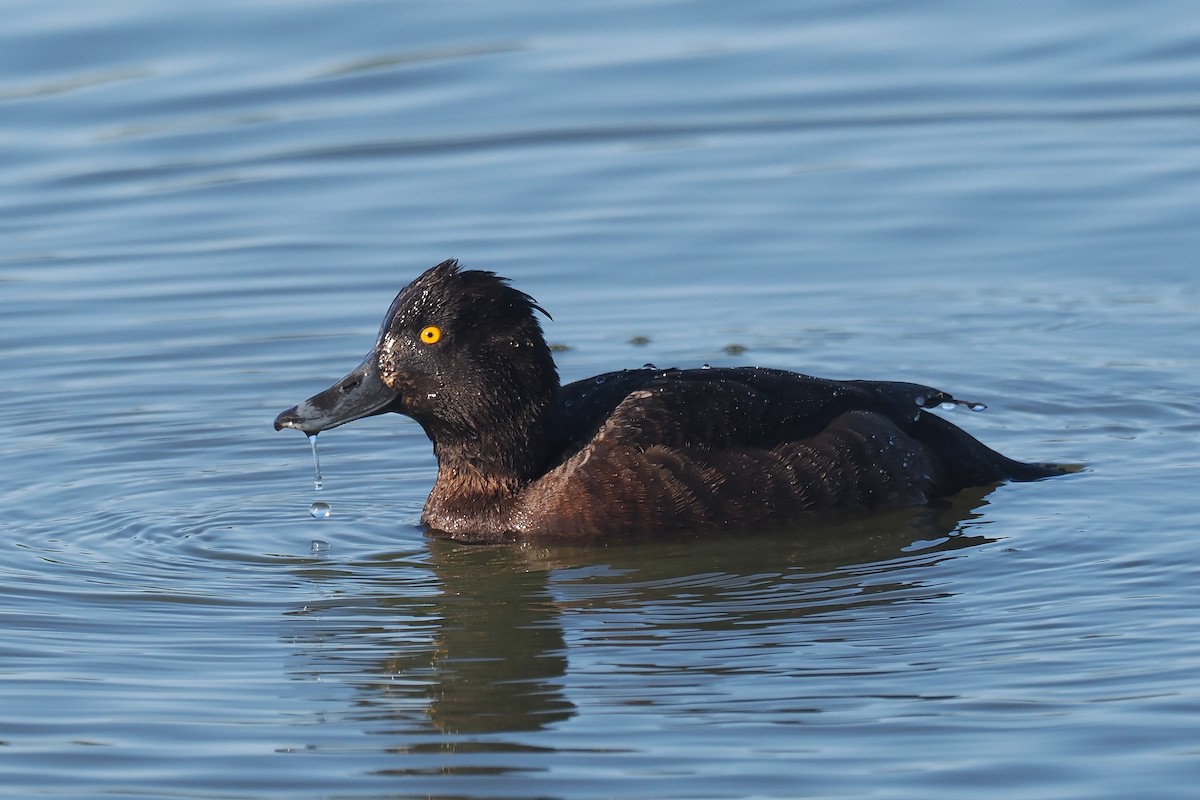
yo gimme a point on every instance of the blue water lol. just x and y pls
(207, 208)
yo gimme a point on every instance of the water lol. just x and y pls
(208, 209)
(318, 481)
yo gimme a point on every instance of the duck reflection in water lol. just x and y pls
(481, 648)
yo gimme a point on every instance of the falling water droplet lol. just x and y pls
(319, 546)
(317, 479)
(320, 510)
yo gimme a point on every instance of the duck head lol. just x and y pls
(459, 351)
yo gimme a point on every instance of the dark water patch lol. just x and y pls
(389, 62)
(70, 84)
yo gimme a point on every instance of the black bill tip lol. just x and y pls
(289, 419)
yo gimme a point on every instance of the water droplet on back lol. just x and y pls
(952, 403)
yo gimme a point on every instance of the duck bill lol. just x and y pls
(362, 393)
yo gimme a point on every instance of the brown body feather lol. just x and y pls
(683, 449)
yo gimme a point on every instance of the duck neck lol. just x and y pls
(484, 463)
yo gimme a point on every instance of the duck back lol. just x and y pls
(652, 449)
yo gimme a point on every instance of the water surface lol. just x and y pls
(207, 210)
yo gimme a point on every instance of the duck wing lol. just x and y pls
(647, 449)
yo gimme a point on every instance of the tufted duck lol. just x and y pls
(638, 451)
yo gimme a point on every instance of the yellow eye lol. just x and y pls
(431, 334)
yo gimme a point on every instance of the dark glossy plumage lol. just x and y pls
(637, 451)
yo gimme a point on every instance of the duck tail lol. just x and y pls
(1035, 470)
(966, 461)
